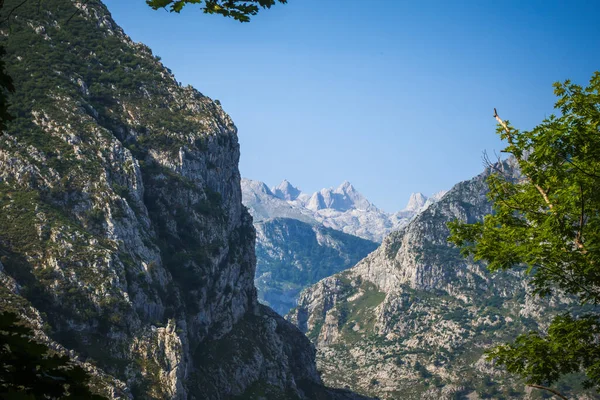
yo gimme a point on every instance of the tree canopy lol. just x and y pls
(548, 223)
(6, 86)
(240, 10)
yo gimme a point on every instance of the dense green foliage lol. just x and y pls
(6, 85)
(548, 222)
(240, 10)
(30, 370)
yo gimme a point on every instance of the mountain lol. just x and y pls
(263, 204)
(123, 238)
(343, 208)
(415, 202)
(344, 198)
(412, 319)
(302, 238)
(292, 255)
(293, 249)
(286, 191)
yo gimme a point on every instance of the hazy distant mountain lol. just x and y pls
(343, 208)
(263, 204)
(344, 198)
(286, 191)
(291, 255)
(415, 202)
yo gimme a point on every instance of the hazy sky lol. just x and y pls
(394, 96)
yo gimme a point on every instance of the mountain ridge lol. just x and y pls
(412, 319)
(342, 208)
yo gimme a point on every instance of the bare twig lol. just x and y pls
(556, 393)
(581, 220)
(503, 125)
(579, 168)
(538, 187)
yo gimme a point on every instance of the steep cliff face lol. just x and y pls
(122, 232)
(292, 255)
(412, 319)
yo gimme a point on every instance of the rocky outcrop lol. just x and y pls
(412, 319)
(122, 232)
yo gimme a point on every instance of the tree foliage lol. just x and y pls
(6, 86)
(240, 10)
(548, 222)
(29, 370)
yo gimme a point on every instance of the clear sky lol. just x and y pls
(393, 96)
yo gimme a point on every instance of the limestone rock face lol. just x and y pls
(412, 319)
(123, 238)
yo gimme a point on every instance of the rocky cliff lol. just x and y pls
(411, 320)
(123, 237)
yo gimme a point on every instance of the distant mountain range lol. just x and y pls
(302, 238)
(342, 208)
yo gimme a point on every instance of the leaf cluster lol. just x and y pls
(569, 347)
(240, 10)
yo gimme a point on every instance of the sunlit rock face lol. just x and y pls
(412, 319)
(123, 238)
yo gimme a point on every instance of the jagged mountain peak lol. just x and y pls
(415, 202)
(286, 191)
(250, 185)
(343, 208)
(345, 187)
(343, 198)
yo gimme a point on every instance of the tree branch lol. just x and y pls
(549, 390)
(581, 220)
(538, 187)
(579, 168)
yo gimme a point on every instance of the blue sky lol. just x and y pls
(394, 96)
